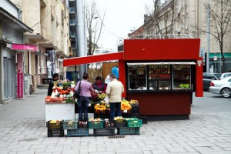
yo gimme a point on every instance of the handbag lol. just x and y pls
(77, 93)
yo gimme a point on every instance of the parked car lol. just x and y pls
(222, 87)
(208, 77)
(225, 75)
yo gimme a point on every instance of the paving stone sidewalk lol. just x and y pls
(22, 131)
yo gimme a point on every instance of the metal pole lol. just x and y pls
(208, 36)
(80, 30)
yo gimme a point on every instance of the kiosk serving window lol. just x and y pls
(137, 77)
(181, 77)
(159, 76)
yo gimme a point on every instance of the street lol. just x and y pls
(208, 131)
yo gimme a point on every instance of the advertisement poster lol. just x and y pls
(20, 75)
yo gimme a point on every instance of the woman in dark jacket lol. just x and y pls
(99, 85)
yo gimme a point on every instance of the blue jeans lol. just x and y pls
(83, 107)
(115, 110)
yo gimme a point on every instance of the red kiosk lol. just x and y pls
(161, 74)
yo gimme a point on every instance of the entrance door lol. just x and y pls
(7, 76)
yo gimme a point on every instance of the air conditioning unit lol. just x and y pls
(186, 27)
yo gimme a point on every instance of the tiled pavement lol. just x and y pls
(22, 131)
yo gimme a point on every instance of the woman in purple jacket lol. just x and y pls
(85, 94)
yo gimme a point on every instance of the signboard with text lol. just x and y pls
(20, 75)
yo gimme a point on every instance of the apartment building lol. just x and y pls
(50, 21)
(11, 33)
(187, 18)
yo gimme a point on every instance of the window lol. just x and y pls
(137, 77)
(181, 77)
(159, 77)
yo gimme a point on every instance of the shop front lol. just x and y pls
(161, 74)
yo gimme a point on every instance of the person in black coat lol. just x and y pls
(51, 84)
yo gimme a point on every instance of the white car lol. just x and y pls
(225, 75)
(222, 87)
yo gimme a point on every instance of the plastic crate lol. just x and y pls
(108, 124)
(128, 131)
(133, 122)
(95, 124)
(77, 132)
(70, 124)
(120, 123)
(83, 124)
(56, 125)
(55, 132)
(104, 132)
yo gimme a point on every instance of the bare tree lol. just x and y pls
(94, 27)
(220, 15)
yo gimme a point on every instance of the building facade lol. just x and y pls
(185, 18)
(11, 32)
(50, 22)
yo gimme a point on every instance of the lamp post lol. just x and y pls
(208, 36)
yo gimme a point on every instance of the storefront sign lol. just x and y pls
(20, 75)
(24, 47)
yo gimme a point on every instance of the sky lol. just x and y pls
(121, 17)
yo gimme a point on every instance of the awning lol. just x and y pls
(93, 59)
(163, 63)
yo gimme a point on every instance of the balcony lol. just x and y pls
(72, 22)
(72, 9)
(72, 34)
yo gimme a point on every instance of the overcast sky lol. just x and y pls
(122, 16)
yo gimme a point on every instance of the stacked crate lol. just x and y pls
(102, 128)
(74, 129)
(132, 127)
(55, 128)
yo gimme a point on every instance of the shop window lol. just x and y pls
(159, 77)
(181, 77)
(137, 75)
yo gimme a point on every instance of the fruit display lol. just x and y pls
(97, 119)
(119, 119)
(102, 96)
(63, 91)
(134, 102)
(99, 107)
(125, 105)
(184, 86)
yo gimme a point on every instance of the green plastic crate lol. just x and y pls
(77, 132)
(128, 131)
(95, 124)
(133, 122)
(70, 124)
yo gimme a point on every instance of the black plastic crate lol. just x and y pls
(77, 132)
(56, 125)
(109, 124)
(83, 124)
(144, 119)
(55, 132)
(104, 132)
(128, 131)
(135, 109)
(120, 123)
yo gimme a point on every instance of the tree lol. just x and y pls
(94, 27)
(220, 15)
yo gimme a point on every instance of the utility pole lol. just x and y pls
(208, 36)
(81, 39)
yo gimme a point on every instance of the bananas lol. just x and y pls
(102, 95)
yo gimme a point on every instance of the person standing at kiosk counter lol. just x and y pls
(114, 91)
(51, 84)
